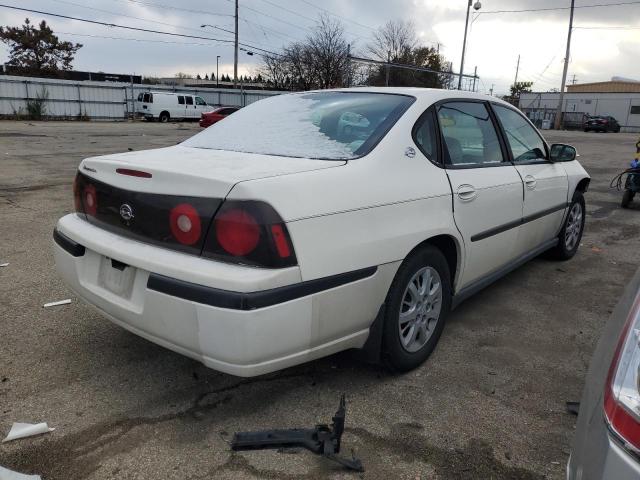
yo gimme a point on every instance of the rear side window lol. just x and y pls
(147, 98)
(180, 99)
(424, 134)
(469, 135)
(189, 100)
(525, 143)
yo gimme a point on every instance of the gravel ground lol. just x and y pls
(489, 403)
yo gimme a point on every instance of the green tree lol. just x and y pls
(520, 87)
(36, 50)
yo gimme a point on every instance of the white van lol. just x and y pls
(165, 106)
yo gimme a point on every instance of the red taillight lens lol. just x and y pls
(622, 390)
(237, 232)
(249, 232)
(280, 239)
(185, 224)
(90, 200)
(133, 173)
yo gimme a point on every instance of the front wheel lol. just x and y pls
(571, 233)
(164, 117)
(627, 197)
(417, 305)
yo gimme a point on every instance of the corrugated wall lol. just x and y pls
(100, 100)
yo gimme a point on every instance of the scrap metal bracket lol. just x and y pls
(322, 440)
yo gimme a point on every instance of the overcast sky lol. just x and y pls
(608, 47)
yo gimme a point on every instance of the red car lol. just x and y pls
(209, 118)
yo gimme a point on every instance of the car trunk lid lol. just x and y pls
(142, 195)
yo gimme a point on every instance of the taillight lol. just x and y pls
(249, 232)
(237, 232)
(622, 390)
(185, 224)
(90, 199)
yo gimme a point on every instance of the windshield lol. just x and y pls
(322, 125)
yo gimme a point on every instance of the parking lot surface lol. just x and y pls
(489, 403)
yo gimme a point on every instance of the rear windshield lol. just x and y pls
(322, 125)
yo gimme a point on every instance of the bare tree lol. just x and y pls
(321, 61)
(393, 41)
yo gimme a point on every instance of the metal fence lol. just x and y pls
(68, 99)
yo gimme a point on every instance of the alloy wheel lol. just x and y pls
(420, 309)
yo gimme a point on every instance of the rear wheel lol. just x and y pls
(417, 305)
(627, 197)
(164, 117)
(571, 233)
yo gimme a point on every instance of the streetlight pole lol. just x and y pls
(464, 41)
(235, 50)
(558, 119)
(217, 75)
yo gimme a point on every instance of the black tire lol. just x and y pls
(627, 197)
(395, 354)
(566, 249)
(586, 129)
(164, 117)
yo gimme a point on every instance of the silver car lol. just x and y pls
(607, 439)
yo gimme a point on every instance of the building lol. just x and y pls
(619, 98)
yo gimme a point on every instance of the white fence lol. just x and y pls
(101, 100)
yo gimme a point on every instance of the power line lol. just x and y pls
(131, 16)
(133, 39)
(126, 27)
(171, 7)
(559, 8)
(613, 27)
(339, 16)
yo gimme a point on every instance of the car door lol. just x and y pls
(190, 108)
(201, 106)
(486, 187)
(545, 183)
(181, 106)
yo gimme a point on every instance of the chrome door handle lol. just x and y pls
(530, 182)
(466, 193)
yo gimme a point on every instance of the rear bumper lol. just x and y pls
(239, 320)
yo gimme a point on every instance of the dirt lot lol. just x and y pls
(490, 403)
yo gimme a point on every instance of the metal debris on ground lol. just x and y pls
(6, 474)
(322, 440)
(23, 430)
(55, 304)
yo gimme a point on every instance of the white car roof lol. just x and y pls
(424, 94)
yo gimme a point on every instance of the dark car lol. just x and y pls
(601, 124)
(209, 118)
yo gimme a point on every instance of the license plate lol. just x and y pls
(116, 277)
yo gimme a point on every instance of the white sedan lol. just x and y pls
(279, 235)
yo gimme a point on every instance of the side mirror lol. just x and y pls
(561, 152)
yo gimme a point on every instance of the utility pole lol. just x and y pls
(235, 51)
(515, 81)
(558, 119)
(574, 80)
(349, 65)
(217, 75)
(464, 44)
(491, 89)
(475, 75)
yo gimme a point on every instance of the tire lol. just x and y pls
(402, 349)
(164, 117)
(571, 233)
(627, 197)
(586, 129)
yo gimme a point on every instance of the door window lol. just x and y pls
(147, 98)
(189, 100)
(200, 101)
(469, 135)
(525, 143)
(180, 99)
(424, 134)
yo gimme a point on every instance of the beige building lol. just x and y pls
(612, 86)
